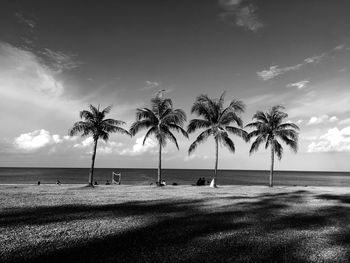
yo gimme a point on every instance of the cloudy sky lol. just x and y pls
(57, 57)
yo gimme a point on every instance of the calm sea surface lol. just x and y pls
(179, 176)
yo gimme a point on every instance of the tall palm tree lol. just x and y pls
(98, 127)
(160, 120)
(217, 121)
(268, 129)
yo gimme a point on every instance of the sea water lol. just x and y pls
(179, 176)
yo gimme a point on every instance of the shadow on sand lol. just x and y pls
(267, 228)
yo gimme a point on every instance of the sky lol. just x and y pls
(57, 57)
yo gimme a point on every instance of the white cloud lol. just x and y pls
(59, 61)
(300, 85)
(151, 146)
(321, 119)
(339, 47)
(275, 71)
(314, 59)
(241, 14)
(333, 119)
(195, 156)
(104, 148)
(300, 121)
(151, 85)
(345, 121)
(85, 143)
(35, 140)
(334, 140)
(34, 76)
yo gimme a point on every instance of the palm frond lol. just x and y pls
(95, 112)
(149, 133)
(140, 125)
(201, 109)
(106, 110)
(237, 131)
(288, 125)
(171, 137)
(278, 149)
(255, 145)
(221, 101)
(113, 122)
(104, 135)
(178, 129)
(292, 143)
(255, 133)
(80, 127)
(177, 116)
(200, 139)
(237, 105)
(87, 115)
(196, 124)
(145, 113)
(261, 117)
(230, 117)
(228, 143)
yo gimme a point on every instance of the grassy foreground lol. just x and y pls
(73, 223)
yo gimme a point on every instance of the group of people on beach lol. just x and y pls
(202, 181)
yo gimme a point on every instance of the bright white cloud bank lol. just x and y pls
(138, 148)
(321, 119)
(334, 140)
(42, 139)
(36, 139)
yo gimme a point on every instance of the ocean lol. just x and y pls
(134, 176)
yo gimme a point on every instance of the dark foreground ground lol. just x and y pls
(71, 223)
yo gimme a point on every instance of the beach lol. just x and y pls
(135, 223)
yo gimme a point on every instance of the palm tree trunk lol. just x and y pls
(272, 163)
(160, 166)
(91, 174)
(213, 184)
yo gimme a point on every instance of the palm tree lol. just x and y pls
(217, 121)
(268, 129)
(160, 120)
(98, 127)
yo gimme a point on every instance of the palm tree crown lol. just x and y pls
(269, 128)
(160, 120)
(216, 121)
(98, 127)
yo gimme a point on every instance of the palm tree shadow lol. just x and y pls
(254, 230)
(341, 198)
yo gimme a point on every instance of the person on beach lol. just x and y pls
(200, 181)
(95, 183)
(107, 182)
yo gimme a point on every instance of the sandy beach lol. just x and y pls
(74, 223)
